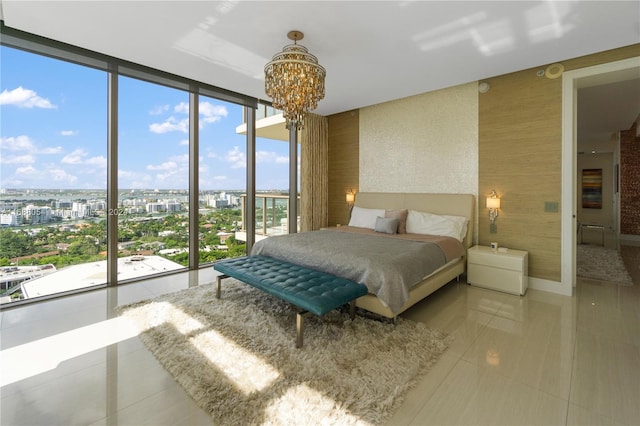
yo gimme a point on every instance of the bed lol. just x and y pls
(398, 269)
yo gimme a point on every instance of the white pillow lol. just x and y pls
(365, 218)
(461, 219)
(433, 224)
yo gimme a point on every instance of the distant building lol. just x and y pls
(173, 206)
(134, 203)
(126, 244)
(80, 210)
(97, 205)
(155, 207)
(62, 204)
(36, 214)
(10, 219)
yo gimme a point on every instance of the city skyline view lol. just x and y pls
(54, 133)
(56, 149)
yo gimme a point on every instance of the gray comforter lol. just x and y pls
(388, 266)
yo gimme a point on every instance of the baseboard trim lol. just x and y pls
(550, 286)
(630, 240)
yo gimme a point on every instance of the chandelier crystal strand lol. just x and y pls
(295, 81)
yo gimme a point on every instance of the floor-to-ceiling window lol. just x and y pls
(153, 178)
(53, 134)
(222, 180)
(68, 129)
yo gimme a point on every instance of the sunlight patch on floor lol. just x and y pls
(36, 357)
(164, 312)
(292, 408)
(247, 371)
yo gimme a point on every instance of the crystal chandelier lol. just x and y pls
(295, 81)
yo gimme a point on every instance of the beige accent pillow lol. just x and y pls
(401, 215)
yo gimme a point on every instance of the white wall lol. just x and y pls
(423, 143)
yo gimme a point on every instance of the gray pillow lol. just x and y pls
(387, 225)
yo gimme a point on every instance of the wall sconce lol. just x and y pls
(493, 204)
(350, 198)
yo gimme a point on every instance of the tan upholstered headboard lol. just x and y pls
(453, 204)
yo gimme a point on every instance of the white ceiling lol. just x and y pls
(373, 51)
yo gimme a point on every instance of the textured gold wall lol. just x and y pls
(519, 152)
(519, 155)
(343, 163)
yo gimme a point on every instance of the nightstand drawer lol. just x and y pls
(510, 259)
(497, 260)
(497, 279)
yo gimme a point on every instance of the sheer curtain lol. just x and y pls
(314, 153)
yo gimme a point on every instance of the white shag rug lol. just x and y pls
(600, 263)
(237, 358)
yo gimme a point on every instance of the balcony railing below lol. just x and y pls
(272, 216)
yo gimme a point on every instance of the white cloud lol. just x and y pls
(97, 162)
(51, 150)
(134, 180)
(184, 142)
(17, 159)
(182, 107)
(171, 124)
(159, 109)
(68, 132)
(59, 175)
(34, 176)
(183, 158)
(125, 174)
(24, 143)
(211, 113)
(168, 165)
(270, 157)
(75, 157)
(236, 158)
(171, 176)
(19, 143)
(27, 170)
(24, 98)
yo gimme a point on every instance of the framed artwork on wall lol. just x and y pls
(592, 188)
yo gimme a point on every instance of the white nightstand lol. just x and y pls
(498, 270)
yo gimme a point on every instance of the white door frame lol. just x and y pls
(571, 82)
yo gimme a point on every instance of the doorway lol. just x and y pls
(573, 81)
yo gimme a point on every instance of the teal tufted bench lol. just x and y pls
(310, 290)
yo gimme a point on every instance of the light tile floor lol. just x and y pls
(540, 359)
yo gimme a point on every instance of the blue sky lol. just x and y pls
(53, 132)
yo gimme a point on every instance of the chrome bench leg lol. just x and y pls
(219, 279)
(300, 328)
